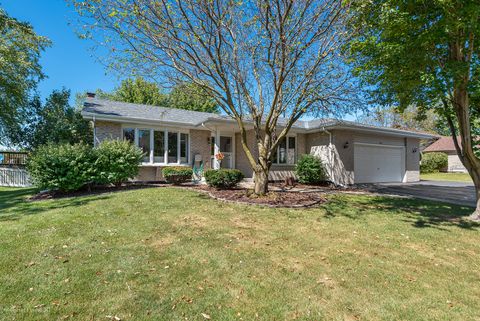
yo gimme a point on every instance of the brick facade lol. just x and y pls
(107, 130)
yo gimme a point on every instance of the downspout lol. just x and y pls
(94, 132)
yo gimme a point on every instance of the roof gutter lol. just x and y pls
(122, 119)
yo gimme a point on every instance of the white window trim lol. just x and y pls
(277, 163)
(166, 130)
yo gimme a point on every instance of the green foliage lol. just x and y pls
(310, 170)
(433, 162)
(223, 178)
(70, 167)
(116, 161)
(191, 97)
(139, 91)
(20, 70)
(411, 54)
(54, 122)
(177, 174)
(62, 167)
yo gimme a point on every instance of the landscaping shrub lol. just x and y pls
(70, 167)
(62, 167)
(433, 162)
(116, 162)
(310, 170)
(177, 174)
(223, 178)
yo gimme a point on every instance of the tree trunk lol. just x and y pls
(261, 182)
(476, 215)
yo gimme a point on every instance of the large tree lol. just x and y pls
(54, 121)
(426, 54)
(20, 71)
(260, 60)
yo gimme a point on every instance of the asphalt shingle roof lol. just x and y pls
(146, 112)
(444, 144)
(138, 112)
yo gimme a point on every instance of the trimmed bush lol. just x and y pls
(62, 167)
(177, 174)
(223, 178)
(68, 168)
(116, 162)
(433, 162)
(310, 170)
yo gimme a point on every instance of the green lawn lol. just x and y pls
(172, 254)
(455, 177)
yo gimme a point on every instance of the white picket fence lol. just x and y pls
(14, 177)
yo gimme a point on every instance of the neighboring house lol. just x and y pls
(445, 145)
(353, 153)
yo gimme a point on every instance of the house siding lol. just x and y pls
(107, 130)
(200, 145)
(412, 164)
(342, 170)
(277, 172)
(455, 164)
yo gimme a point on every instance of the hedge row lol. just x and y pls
(433, 162)
(71, 167)
(223, 178)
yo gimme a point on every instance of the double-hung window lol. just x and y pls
(159, 146)
(286, 151)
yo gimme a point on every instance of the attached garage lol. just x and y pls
(379, 163)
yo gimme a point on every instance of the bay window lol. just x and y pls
(183, 148)
(172, 147)
(144, 143)
(159, 146)
(129, 134)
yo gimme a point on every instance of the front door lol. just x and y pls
(226, 150)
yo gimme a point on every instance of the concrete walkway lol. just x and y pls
(450, 192)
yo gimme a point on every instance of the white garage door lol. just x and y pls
(379, 163)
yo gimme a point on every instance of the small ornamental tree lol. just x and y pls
(260, 61)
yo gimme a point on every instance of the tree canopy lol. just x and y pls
(425, 54)
(140, 91)
(20, 70)
(259, 60)
(55, 121)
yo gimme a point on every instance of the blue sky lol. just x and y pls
(69, 62)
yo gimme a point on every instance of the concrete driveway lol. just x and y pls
(451, 192)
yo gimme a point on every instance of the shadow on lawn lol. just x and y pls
(14, 203)
(419, 213)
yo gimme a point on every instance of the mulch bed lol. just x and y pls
(287, 199)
